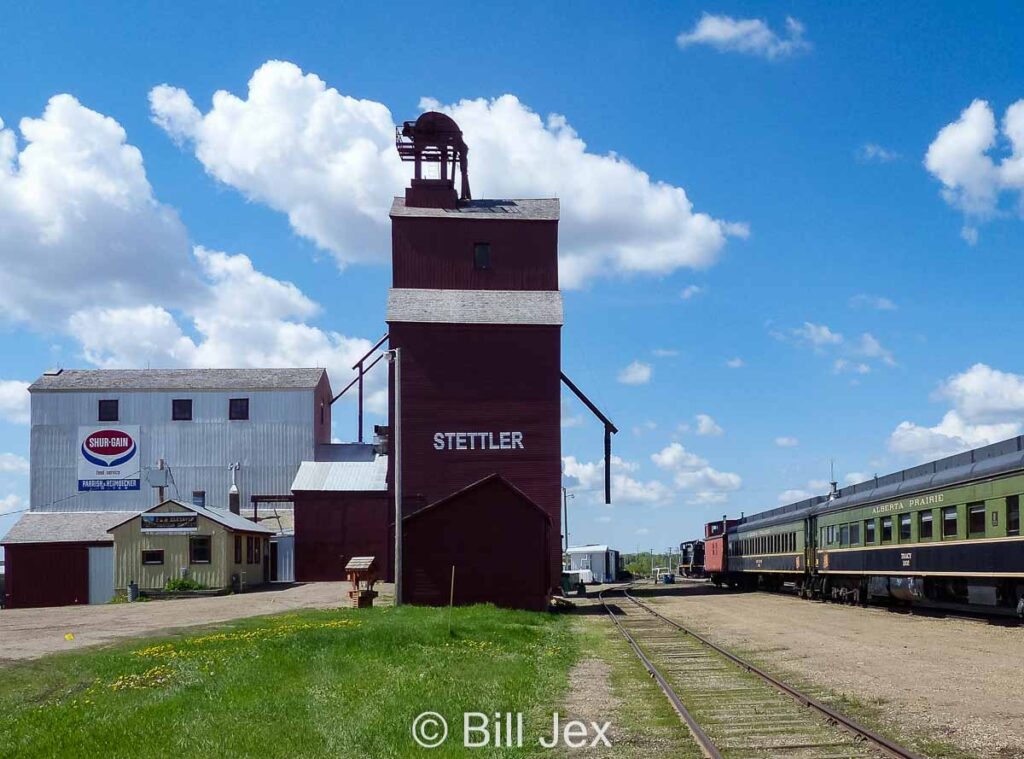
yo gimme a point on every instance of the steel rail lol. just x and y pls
(707, 747)
(848, 724)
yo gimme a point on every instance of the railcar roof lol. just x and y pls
(1005, 457)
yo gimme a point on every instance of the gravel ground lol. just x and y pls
(31, 633)
(953, 679)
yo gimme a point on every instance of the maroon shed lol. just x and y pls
(341, 510)
(496, 538)
(60, 558)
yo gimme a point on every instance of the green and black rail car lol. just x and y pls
(943, 533)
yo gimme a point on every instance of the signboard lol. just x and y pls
(108, 458)
(179, 521)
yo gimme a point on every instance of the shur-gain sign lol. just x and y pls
(478, 441)
(108, 458)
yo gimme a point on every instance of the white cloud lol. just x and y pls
(79, 225)
(793, 495)
(14, 401)
(12, 503)
(869, 347)
(750, 36)
(735, 363)
(694, 475)
(845, 366)
(589, 478)
(988, 406)
(973, 181)
(570, 416)
(642, 429)
(603, 519)
(785, 441)
(637, 373)
(328, 161)
(691, 291)
(665, 352)
(231, 332)
(10, 462)
(817, 335)
(641, 531)
(873, 152)
(854, 478)
(876, 302)
(708, 426)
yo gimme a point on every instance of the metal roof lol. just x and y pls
(475, 306)
(178, 379)
(221, 516)
(587, 549)
(530, 209)
(66, 526)
(342, 476)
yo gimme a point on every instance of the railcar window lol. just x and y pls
(854, 534)
(869, 531)
(1013, 515)
(844, 535)
(949, 522)
(976, 518)
(886, 529)
(904, 526)
(831, 534)
(924, 525)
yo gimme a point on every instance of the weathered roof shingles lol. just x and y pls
(178, 379)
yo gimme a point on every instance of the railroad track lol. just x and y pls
(732, 708)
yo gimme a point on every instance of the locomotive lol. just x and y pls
(691, 558)
(944, 534)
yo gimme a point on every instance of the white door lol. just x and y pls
(101, 574)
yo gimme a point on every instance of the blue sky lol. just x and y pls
(854, 238)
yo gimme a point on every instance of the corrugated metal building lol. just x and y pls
(602, 561)
(96, 438)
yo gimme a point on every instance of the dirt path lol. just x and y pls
(955, 680)
(31, 633)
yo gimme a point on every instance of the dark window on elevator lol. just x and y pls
(181, 410)
(108, 411)
(238, 409)
(482, 255)
(199, 498)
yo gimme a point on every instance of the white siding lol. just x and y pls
(101, 574)
(279, 434)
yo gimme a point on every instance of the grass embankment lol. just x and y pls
(318, 683)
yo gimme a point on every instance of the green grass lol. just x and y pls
(319, 683)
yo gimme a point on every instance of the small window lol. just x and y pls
(925, 528)
(482, 255)
(905, 527)
(886, 529)
(199, 498)
(199, 549)
(259, 550)
(322, 417)
(155, 556)
(181, 410)
(238, 549)
(854, 534)
(869, 531)
(248, 550)
(1013, 515)
(844, 535)
(949, 522)
(976, 518)
(107, 411)
(238, 409)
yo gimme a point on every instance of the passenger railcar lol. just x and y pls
(944, 533)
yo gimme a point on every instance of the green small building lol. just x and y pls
(216, 548)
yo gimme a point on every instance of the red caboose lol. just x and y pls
(716, 562)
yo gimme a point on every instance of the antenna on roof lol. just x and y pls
(834, 493)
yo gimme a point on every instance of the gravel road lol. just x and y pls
(958, 680)
(31, 633)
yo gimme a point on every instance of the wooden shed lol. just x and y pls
(494, 536)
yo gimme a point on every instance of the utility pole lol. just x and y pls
(566, 495)
(161, 491)
(394, 357)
